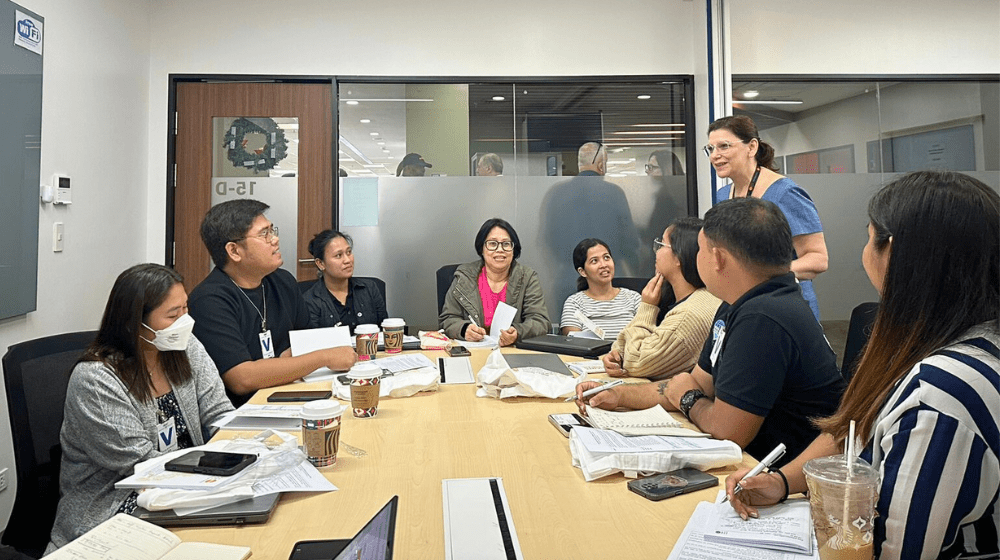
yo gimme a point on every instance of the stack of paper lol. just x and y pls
(698, 539)
(287, 418)
(585, 367)
(786, 527)
(653, 421)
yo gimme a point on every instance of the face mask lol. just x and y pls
(174, 337)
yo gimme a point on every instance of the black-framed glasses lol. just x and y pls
(493, 245)
(657, 243)
(721, 146)
(650, 167)
(266, 235)
(597, 153)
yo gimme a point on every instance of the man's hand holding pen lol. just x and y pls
(607, 400)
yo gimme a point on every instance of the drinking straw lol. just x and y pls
(850, 451)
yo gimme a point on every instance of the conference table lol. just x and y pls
(416, 442)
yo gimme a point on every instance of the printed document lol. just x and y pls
(654, 421)
(607, 441)
(694, 544)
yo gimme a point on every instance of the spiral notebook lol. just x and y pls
(653, 421)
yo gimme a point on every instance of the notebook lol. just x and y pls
(375, 541)
(570, 345)
(549, 362)
(253, 510)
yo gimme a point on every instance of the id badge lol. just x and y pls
(166, 436)
(717, 346)
(266, 345)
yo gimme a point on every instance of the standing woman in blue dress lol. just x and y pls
(737, 153)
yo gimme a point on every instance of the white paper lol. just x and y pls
(585, 334)
(692, 543)
(457, 370)
(589, 326)
(786, 527)
(607, 441)
(503, 317)
(653, 421)
(403, 362)
(122, 537)
(471, 524)
(310, 340)
(302, 478)
(584, 367)
(486, 342)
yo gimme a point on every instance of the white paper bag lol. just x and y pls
(496, 379)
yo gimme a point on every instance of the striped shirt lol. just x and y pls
(937, 446)
(612, 315)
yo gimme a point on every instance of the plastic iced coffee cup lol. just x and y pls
(366, 341)
(365, 386)
(392, 330)
(843, 506)
(321, 431)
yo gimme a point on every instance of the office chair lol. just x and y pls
(36, 374)
(631, 282)
(860, 328)
(445, 275)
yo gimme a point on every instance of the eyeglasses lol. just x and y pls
(266, 235)
(721, 146)
(597, 153)
(657, 243)
(651, 167)
(492, 245)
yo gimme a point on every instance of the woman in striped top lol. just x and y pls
(648, 349)
(608, 307)
(927, 388)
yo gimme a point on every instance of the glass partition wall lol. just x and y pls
(423, 165)
(842, 140)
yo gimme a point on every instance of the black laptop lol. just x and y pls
(251, 510)
(570, 345)
(375, 541)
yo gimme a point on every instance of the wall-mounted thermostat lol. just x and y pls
(61, 185)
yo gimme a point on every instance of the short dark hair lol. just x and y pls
(580, 258)
(744, 128)
(755, 231)
(502, 224)
(684, 244)
(317, 247)
(228, 221)
(136, 292)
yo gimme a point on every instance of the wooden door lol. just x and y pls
(197, 104)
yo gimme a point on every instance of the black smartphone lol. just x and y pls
(457, 351)
(216, 463)
(298, 396)
(673, 483)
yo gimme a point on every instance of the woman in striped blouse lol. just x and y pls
(927, 388)
(610, 308)
(647, 349)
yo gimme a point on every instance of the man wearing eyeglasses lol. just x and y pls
(587, 206)
(246, 306)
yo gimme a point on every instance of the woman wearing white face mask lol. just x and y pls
(144, 387)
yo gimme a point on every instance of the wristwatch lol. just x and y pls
(688, 400)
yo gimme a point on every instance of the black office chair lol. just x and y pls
(36, 374)
(445, 275)
(860, 328)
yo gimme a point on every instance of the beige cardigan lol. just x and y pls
(673, 346)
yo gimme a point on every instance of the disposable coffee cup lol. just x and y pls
(392, 330)
(366, 341)
(843, 506)
(365, 387)
(321, 431)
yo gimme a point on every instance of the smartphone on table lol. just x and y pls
(298, 396)
(673, 483)
(215, 463)
(566, 422)
(458, 351)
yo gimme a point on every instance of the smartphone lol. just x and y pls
(457, 351)
(216, 463)
(566, 422)
(673, 483)
(298, 396)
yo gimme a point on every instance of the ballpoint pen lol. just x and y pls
(766, 463)
(595, 390)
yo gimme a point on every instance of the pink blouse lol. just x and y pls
(489, 298)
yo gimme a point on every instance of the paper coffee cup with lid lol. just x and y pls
(365, 386)
(366, 341)
(392, 329)
(321, 431)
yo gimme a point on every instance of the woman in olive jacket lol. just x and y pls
(479, 286)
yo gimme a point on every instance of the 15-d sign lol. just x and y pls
(240, 188)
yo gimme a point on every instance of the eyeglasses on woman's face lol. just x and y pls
(658, 243)
(493, 245)
(723, 147)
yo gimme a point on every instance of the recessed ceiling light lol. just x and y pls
(365, 121)
(750, 94)
(380, 143)
(351, 102)
(373, 133)
(386, 150)
(643, 96)
(498, 98)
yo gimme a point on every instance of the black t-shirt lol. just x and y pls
(774, 362)
(229, 325)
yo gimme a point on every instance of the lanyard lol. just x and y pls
(753, 183)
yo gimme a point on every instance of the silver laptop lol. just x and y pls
(252, 510)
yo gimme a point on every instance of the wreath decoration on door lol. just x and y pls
(259, 159)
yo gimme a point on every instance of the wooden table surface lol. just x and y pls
(416, 442)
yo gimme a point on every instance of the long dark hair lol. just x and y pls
(744, 128)
(684, 244)
(137, 291)
(942, 231)
(580, 258)
(317, 247)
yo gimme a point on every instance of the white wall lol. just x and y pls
(443, 38)
(865, 37)
(94, 119)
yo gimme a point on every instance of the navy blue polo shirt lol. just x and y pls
(774, 362)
